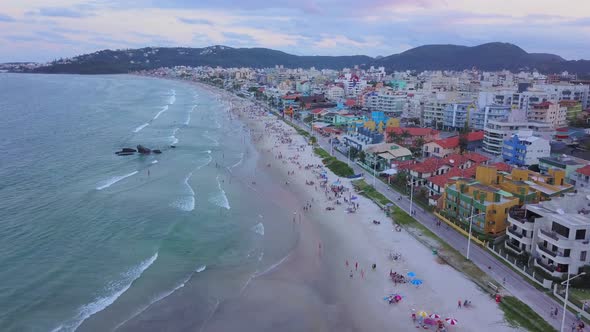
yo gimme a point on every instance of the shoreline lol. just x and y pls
(348, 303)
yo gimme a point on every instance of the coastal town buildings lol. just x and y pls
(555, 233)
(444, 147)
(548, 112)
(496, 132)
(494, 192)
(524, 149)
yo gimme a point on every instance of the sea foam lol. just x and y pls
(164, 109)
(207, 136)
(259, 228)
(187, 202)
(114, 290)
(138, 129)
(220, 199)
(239, 161)
(173, 138)
(113, 180)
(172, 98)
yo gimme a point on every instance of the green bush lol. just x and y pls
(338, 167)
(322, 153)
(519, 314)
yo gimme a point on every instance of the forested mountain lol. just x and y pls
(491, 56)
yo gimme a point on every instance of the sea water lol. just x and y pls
(92, 241)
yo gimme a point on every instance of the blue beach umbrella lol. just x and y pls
(411, 274)
(416, 282)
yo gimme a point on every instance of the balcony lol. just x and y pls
(544, 266)
(546, 251)
(513, 231)
(513, 247)
(550, 234)
(518, 216)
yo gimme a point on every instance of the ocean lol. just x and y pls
(92, 241)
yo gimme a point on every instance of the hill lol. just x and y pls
(123, 61)
(490, 56)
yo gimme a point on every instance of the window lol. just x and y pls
(566, 253)
(583, 256)
(560, 229)
(580, 234)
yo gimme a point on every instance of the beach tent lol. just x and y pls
(451, 321)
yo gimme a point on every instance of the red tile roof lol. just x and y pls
(502, 167)
(475, 136)
(584, 170)
(448, 143)
(350, 102)
(412, 131)
(317, 111)
(430, 165)
(544, 104)
(453, 142)
(441, 180)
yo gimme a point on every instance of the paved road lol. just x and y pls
(515, 284)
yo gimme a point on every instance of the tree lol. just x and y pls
(463, 140)
(353, 153)
(419, 142)
(362, 156)
(405, 134)
(395, 137)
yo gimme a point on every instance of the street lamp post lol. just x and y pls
(470, 224)
(411, 194)
(348, 160)
(374, 171)
(567, 285)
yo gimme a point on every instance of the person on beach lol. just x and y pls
(356, 266)
(459, 304)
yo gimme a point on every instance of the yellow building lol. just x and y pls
(494, 192)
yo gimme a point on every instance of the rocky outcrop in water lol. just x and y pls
(143, 150)
(140, 149)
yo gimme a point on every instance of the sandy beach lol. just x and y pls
(327, 282)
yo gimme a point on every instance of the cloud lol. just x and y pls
(60, 12)
(6, 18)
(305, 27)
(195, 21)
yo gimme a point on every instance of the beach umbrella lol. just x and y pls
(451, 321)
(434, 316)
(422, 313)
(416, 282)
(411, 274)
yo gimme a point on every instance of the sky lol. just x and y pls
(43, 30)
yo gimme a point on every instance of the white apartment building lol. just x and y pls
(524, 149)
(496, 132)
(353, 85)
(335, 93)
(556, 233)
(392, 103)
(566, 91)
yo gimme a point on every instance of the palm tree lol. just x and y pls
(395, 137)
(418, 144)
(405, 135)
